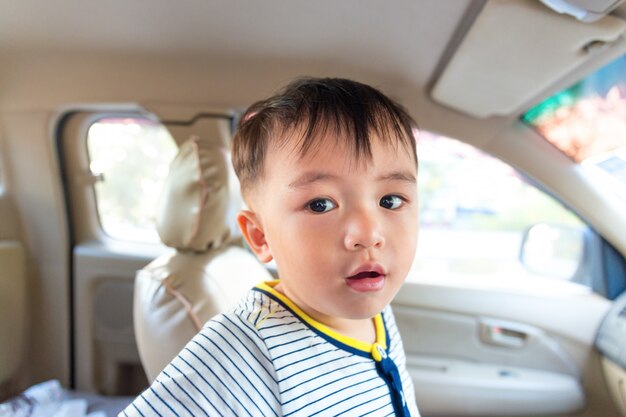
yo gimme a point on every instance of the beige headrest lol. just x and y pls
(194, 201)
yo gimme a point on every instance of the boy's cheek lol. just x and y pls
(310, 224)
(407, 231)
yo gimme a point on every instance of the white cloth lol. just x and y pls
(268, 358)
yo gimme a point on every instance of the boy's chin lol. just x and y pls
(365, 313)
(369, 307)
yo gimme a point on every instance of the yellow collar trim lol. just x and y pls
(381, 336)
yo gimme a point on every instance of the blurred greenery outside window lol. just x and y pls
(587, 122)
(132, 158)
(476, 212)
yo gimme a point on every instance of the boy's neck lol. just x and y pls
(363, 330)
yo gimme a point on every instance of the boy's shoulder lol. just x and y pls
(257, 306)
(257, 313)
(226, 369)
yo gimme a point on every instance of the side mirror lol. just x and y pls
(554, 250)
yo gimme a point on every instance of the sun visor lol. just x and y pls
(514, 51)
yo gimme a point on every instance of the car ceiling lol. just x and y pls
(397, 46)
(400, 46)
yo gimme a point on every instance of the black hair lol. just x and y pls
(318, 107)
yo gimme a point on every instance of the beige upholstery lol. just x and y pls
(207, 272)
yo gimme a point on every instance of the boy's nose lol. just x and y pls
(363, 232)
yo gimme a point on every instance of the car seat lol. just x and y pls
(207, 272)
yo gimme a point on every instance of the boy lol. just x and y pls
(328, 170)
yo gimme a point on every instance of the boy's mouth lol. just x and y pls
(368, 270)
(366, 274)
(366, 278)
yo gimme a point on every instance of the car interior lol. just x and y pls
(118, 237)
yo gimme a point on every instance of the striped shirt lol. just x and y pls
(268, 358)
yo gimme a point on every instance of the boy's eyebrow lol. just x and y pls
(398, 176)
(310, 177)
(313, 176)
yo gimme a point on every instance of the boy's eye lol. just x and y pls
(321, 205)
(391, 202)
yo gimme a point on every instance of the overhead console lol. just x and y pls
(515, 51)
(611, 342)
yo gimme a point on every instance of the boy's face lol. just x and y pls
(343, 233)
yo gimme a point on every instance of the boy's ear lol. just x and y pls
(252, 231)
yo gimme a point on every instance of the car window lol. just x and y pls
(130, 158)
(586, 122)
(483, 223)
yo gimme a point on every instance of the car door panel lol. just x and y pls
(13, 289)
(450, 387)
(536, 349)
(478, 352)
(103, 301)
(12, 308)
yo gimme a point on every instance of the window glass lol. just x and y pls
(587, 122)
(483, 223)
(131, 157)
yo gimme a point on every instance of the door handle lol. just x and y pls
(500, 334)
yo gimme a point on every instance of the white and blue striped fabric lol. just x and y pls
(265, 359)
